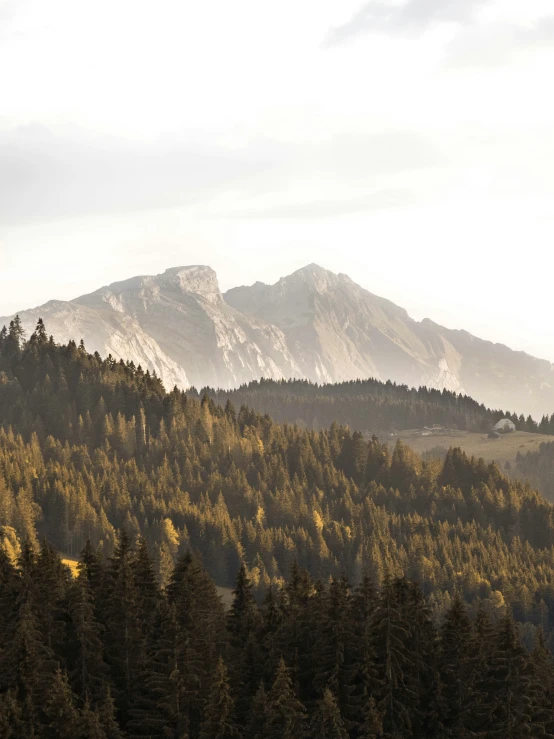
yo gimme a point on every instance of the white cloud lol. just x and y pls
(136, 136)
(410, 16)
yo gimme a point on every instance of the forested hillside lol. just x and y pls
(369, 406)
(110, 655)
(538, 468)
(88, 446)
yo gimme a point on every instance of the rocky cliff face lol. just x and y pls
(338, 331)
(312, 324)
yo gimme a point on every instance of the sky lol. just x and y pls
(407, 144)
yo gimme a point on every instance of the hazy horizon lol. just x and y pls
(407, 144)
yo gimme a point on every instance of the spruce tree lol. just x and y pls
(89, 724)
(257, 723)
(335, 647)
(62, 716)
(88, 670)
(398, 692)
(510, 705)
(219, 721)
(199, 638)
(124, 643)
(457, 668)
(371, 724)
(11, 724)
(286, 716)
(327, 722)
(243, 623)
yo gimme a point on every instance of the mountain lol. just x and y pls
(312, 324)
(338, 331)
(177, 324)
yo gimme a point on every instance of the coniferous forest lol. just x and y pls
(378, 594)
(108, 654)
(370, 406)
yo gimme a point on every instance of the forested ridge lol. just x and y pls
(370, 406)
(110, 655)
(89, 446)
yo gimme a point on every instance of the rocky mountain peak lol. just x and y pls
(313, 324)
(197, 279)
(312, 276)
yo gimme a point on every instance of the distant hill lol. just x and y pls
(369, 406)
(313, 325)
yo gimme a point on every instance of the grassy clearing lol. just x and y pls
(500, 450)
(226, 595)
(72, 564)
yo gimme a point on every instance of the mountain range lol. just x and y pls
(312, 324)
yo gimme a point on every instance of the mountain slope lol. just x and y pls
(177, 324)
(312, 324)
(338, 331)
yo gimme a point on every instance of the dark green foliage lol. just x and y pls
(257, 724)
(327, 722)
(538, 467)
(219, 722)
(457, 672)
(369, 406)
(88, 446)
(286, 716)
(139, 645)
(368, 664)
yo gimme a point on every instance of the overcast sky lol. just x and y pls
(409, 145)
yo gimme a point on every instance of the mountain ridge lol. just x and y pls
(312, 324)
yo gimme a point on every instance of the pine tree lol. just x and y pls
(243, 622)
(89, 724)
(257, 724)
(200, 635)
(89, 672)
(107, 715)
(327, 722)
(124, 643)
(11, 725)
(164, 706)
(335, 646)
(393, 639)
(219, 721)
(50, 585)
(286, 716)
(371, 726)
(511, 695)
(457, 663)
(543, 664)
(62, 717)
(9, 586)
(27, 663)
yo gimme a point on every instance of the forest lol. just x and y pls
(538, 468)
(90, 446)
(96, 457)
(109, 654)
(370, 406)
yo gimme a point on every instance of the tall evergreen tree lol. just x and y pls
(219, 722)
(327, 721)
(243, 623)
(286, 716)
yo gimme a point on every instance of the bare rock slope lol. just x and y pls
(312, 324)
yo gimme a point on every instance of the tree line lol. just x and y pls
(110, 654)
(370, 406)
(89, 446)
